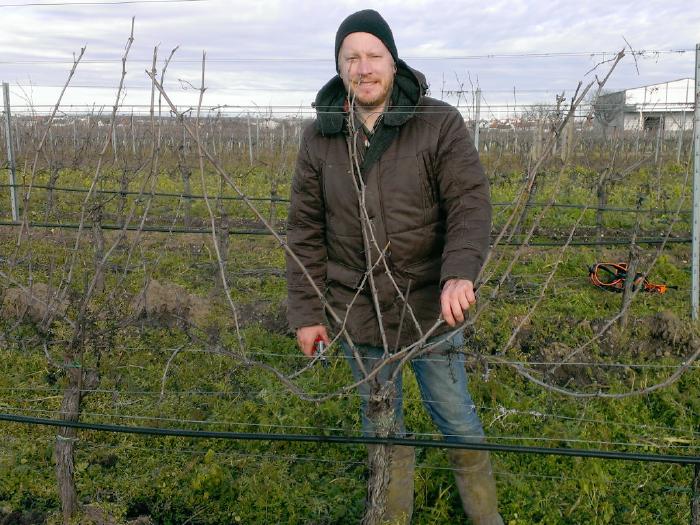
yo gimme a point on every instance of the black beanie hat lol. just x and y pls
(366, 21)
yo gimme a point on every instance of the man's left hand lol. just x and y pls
(456, 297)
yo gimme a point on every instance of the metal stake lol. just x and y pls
(477, 118)
(695, 268)
(10, 152)
(695, 497)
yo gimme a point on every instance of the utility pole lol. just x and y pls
(695, 268)
(10, 151)
(477, 118)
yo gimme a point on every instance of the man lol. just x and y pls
(424, 236)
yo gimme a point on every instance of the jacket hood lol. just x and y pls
(409, 87)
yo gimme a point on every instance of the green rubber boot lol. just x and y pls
(476, 485)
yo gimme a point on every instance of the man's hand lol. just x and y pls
(307, 335)
(456, 297)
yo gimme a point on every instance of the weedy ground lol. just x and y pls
(124, 478)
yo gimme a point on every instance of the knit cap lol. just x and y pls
(366, 21)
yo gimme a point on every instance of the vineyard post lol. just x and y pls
(695, 496)
(10, 150)
(250, 140)
(477, 118)
(696, 189)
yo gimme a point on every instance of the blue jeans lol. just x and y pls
(442, 380)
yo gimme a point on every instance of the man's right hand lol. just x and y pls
(307, 335)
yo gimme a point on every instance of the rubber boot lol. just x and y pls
(399, 492)
(476, 485)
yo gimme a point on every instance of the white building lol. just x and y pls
(669, 106)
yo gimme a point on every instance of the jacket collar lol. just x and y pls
(409, 87)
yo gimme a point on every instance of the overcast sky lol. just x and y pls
(278, 53)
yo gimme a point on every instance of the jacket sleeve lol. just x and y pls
(306, 238)
(465, 199)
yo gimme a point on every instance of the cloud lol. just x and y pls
(241, 38)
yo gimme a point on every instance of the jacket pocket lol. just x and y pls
(423, 272)
(350, 277)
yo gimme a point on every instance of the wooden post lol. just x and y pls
(10, 152)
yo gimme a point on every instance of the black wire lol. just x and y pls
(341, 465)
(279, 199)
(147, 194)
(605, 242)
(354, 440)
(162, 229)
(489, 56)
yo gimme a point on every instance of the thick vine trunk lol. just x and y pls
(78, 379)
(65, 445)
(380, 411)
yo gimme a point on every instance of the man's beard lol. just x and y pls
(380, 99)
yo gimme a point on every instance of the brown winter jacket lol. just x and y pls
(428, 200)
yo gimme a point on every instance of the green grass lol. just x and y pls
(217, 481)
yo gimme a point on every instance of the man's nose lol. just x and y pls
(364, 66)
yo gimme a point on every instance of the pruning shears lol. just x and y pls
(320, 349)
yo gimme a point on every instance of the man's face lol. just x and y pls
(367, 69)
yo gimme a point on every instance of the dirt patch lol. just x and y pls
(668, 336)
(565, 374)
(169, 304)
(272, 317)
(667, 327)
(34, 303)
(660, 335)
(93, 515)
